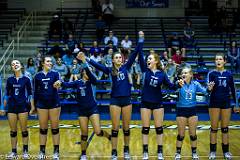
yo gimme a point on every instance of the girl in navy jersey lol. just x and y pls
(46, 101)
(88, 109)
(120, 96)
(18, 94)
(220, 105)
(154, 78)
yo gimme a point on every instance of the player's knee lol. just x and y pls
(159, 130)
(114, 133)
(193, 138)
(100, 134)
(224, 130)
(55, 131)
(84, 137)
(126, 132)
(213, 130)
(180, 138)
(25, 134)
(43, 131)
(13, 134)
(145, 130)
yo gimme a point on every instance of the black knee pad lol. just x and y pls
(224, 130)
(180, 138)
(84, 137)
(159, 130)
(13, 134)
(43, 131)
(114, 133)
(55, 131)
(145, 130)
(214, 130)
(100, 134)
(126, 132)
(25, 134)
(193, 138)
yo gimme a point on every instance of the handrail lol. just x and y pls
(9, 51)
(21, 32)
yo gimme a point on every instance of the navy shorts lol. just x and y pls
(87, 112)
(150, 105)
(18, 108)
(221, 105)
(186, 111)
(120, 101)
(47, 104)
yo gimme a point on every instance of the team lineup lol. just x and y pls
(24, 96)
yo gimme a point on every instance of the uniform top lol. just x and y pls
(120, 82)
(85, 96)
(153, 82)
(187, 94)
(43, 86)
(18, 90)
(224, 84)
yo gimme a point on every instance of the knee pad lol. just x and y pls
(224, 130)
(180, 138)
(145, 130)
(114, 133)
(84, 137)
(13, 134)
(100, 134)
(193, 138)
(25, 134)
(55, 131)
(43, 131)
(126, 132)
(159, 130)
(214, 130)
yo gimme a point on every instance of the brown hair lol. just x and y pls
(222, 55)
(157, 58)
(114, 69)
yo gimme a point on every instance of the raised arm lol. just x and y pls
(142, 62)
(91, 76)
(168, 83)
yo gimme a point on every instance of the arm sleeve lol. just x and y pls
(169, 83)
(100, 67)
(29, 89)
(134, 55)
(142, 62)
(200, 88)
(69, 84)
(92, 78)
(7, 88)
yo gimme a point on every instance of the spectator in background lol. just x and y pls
(110, 46)
(61, 68)
(56, 48)
(37, 60)
(177, 57)
(55, 27)
(75, 70)
(107, 11)
(164, 58)
(82, 48)
(171, 70)
(126, 46)
(100, 28)
(174, 44)
(68, 58)
(31, 68)
(67, 28)
(97, 58)
(95, 48)
(55, 57)
(112, 38)
(70, 43)
(189, 34)
(234, 57)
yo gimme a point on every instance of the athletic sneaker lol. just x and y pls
(127, 156)
(114, 157)
(212, 155)
(195, 156)
(160, 156)
(177, 156)
(83, 157)
(11, 155)
(41, 156)
(227, 156)
(56, 156)
(25, 155)
(145, 155)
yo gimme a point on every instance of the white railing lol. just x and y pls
(30, 20)
(8, 52)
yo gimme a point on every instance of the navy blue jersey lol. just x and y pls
(18, 90)
(224, 84)
(85, 96)
(153, 82)
(120, 82)
(43, 87)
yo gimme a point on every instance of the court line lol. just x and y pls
(90, 139)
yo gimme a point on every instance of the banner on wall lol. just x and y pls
(147, 3)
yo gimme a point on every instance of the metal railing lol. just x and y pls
(30, 20)
(6, 55)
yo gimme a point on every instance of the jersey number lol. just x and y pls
(16, 91)
(120, 76)
(45, 85)
(222, 82)
(153, 82)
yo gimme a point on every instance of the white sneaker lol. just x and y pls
(177, 156)
(25, 155)
(160, 156)
(127, 156)
(114, 157)
(11, 155)
(83, 157)
(227, 156)
(41, 156)
(195, 156)
(212, 155)
(56, 156)
(145, 155)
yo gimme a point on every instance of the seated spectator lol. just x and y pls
(171, 70)
(67, 28)
(135, 74)
(189, 34)
(234, 57)
(107, 11)
(100, 29)
(55, 27)
(82, 48)
(37, 60)
(31, 67)
(55, 57)
(107, 59)
(164, 58)
(95, 48)
(112, 38)
(56, 48)
(70, 43)
(109, 46)
(68, 58)
(177, 57)
(174, 44)
(126, 46)
(61, 68)
(75, 70)
(97, 58)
